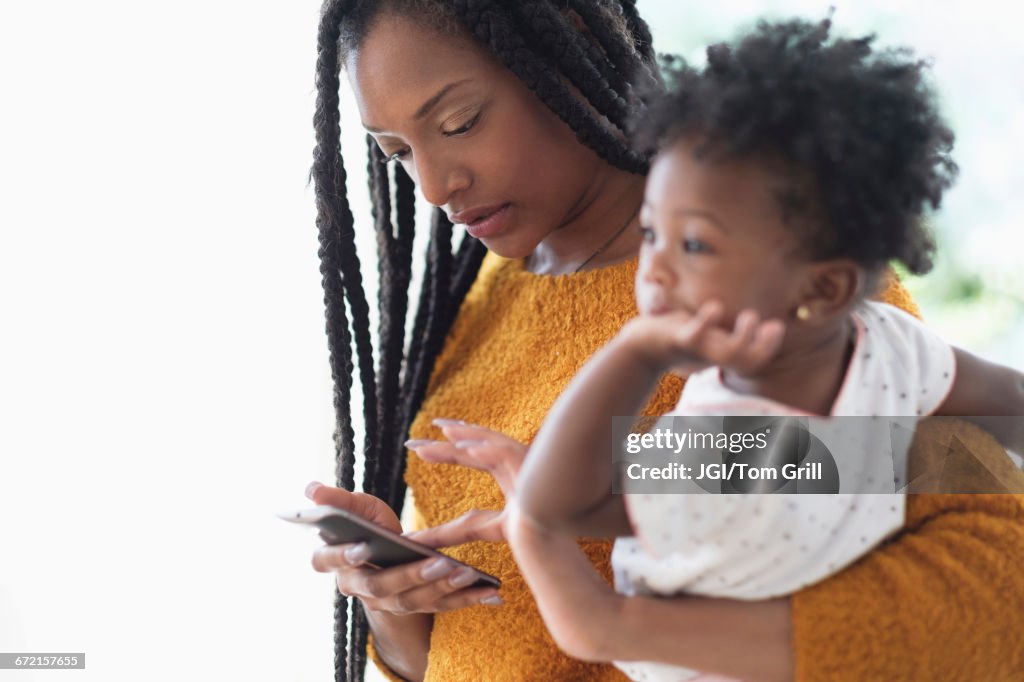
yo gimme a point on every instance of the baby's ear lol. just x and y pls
(831, 288)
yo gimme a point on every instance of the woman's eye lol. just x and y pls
(464, 128)
(647, 234)
(695, 246)
(395, 156)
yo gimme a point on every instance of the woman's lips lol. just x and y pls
(489, 225)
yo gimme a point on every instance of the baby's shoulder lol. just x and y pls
(902, 366)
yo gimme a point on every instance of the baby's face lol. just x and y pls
(713, 230)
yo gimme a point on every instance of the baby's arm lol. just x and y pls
(566, 481)
(588, 620)
(987, 394)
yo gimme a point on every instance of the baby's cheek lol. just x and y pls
(649, 297)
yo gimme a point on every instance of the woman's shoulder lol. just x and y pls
(892, 291)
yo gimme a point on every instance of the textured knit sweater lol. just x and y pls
(943, 600)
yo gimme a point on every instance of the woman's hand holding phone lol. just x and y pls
(424, 587)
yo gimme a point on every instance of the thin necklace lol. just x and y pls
(608, 243)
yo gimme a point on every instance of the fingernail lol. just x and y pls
(357, 554)
(311, 488)
(492, 600)
(437, 569)
(418, 443)
(463, 577)
(450, 422)
(464, 444)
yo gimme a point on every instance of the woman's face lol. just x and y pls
(477, 142)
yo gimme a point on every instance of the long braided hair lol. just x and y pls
(592, 79)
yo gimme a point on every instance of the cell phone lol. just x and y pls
(387, 548)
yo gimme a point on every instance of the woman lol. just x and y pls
(509, 116)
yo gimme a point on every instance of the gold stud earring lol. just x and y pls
(803, 313)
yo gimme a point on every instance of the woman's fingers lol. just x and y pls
(465, 453)
(339, 557)
(456, 431)
(362, 504)
(441, 452)
(420, 587)
(438, 596)
(426, 586)
(477, 448)
(476, 525)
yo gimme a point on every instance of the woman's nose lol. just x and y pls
(440, 179)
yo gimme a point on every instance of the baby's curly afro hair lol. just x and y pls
(861, 126)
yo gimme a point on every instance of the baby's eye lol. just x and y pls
(647, 234)
(695, 246)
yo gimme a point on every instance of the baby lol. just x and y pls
(788, 174)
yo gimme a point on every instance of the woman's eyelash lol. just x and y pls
(395, 156)
(465, 128)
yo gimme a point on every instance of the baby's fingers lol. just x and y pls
(724, 347)
(707, 316)
(754, 343)
(767, 341)
(745, 328)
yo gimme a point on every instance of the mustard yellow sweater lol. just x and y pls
(944, 600)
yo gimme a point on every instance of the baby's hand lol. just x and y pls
(689, 343)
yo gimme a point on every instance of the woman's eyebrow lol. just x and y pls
(427, 106)
(436, 99)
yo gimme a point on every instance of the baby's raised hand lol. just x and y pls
(689, 343)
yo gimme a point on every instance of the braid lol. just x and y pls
(438, 318)
(333, 220)
(486, 21)
(357, 646)
(622, 54)
(395, 298)
(467, 264)
(575, 57)
(641, 32)
(395, 485)
(387, 377)
(356, 298)
(537, 42)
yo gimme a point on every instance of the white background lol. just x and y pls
(164, 386)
